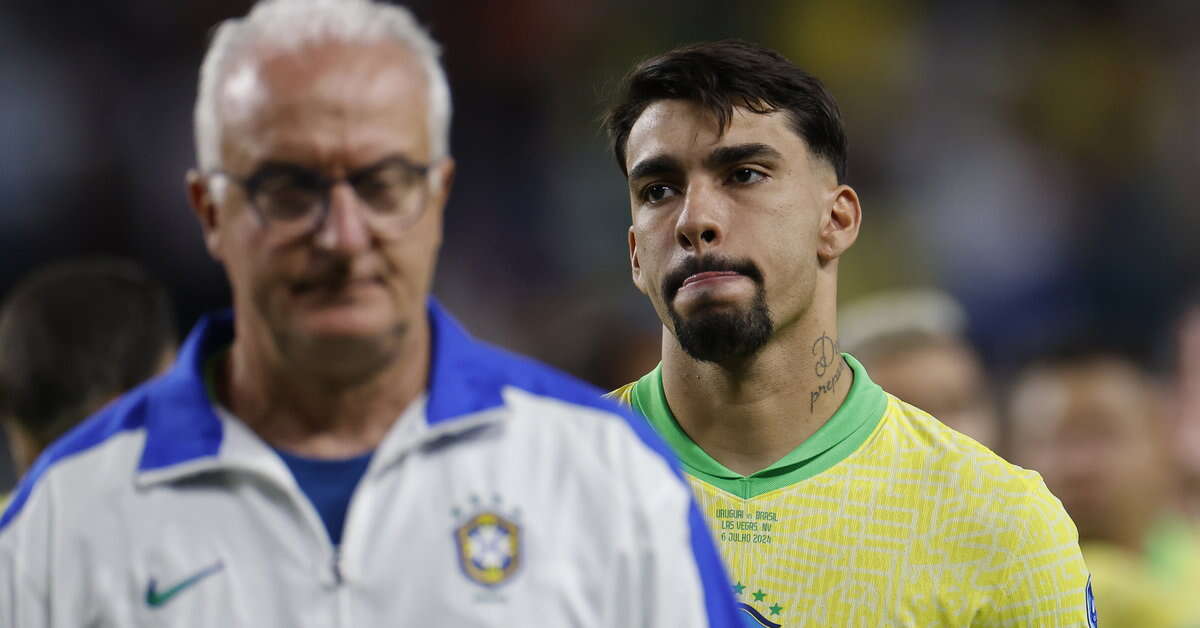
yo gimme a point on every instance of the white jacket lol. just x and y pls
(508, 495)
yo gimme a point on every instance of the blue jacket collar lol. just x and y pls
(465, 378)
(181, 424)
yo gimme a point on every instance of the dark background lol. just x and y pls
(1038, 160)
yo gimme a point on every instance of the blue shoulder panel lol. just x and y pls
(126, 414)
(174, 410)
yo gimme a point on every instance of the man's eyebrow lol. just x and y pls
(655, 166)
(729, 155)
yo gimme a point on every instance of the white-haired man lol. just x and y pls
(348, 457)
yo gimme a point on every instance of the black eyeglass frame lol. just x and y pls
(321, 183)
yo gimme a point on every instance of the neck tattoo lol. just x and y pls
(827, 351)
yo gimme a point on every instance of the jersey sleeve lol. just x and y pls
(1044, 581)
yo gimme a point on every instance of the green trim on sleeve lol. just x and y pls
(840, 436)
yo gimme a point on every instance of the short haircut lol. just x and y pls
(731, 73)
(288, 25)
(74, 335)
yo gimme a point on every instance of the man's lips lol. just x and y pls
(707, 276)
(335, 285)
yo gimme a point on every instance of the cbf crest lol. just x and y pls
(489, 543)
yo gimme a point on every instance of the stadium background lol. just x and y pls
(1037, 160)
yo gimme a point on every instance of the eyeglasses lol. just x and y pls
(297, 199)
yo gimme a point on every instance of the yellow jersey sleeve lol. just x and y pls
(1042, 580)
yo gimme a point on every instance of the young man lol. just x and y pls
(835, 504)
(337, 451)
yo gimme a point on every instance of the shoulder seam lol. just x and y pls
(93, 433)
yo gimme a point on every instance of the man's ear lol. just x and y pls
(444, 173)
(200, 197)
(440, 182)
(634, 265)
(840, 224)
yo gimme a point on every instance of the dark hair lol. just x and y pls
(1080, 348)
(75, 334)
(731, 73)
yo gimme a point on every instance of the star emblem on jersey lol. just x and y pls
(753, 617)
(489, 548)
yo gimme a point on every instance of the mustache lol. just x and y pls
(707, 264)
(333, 274)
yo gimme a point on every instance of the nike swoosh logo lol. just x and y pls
(155, 598)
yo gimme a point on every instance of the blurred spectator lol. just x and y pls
(913, 345)
(73, 336)
(1093, 422)
(1186, 411)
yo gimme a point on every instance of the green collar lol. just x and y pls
(839, 437)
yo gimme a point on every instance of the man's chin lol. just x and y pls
(723, 334)
(336, 327)
(344, 340)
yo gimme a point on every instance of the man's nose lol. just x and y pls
(345, 228)
(700, 225)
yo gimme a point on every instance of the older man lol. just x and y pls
(337, 451)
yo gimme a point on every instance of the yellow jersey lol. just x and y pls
(884, 517)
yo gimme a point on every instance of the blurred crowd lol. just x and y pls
(1113, 435)
(1033, 161)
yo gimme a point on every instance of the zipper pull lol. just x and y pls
(337, 567)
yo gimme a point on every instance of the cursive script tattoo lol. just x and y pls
(826, 350)
(829, 385)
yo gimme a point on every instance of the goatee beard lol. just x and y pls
(720, 333)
